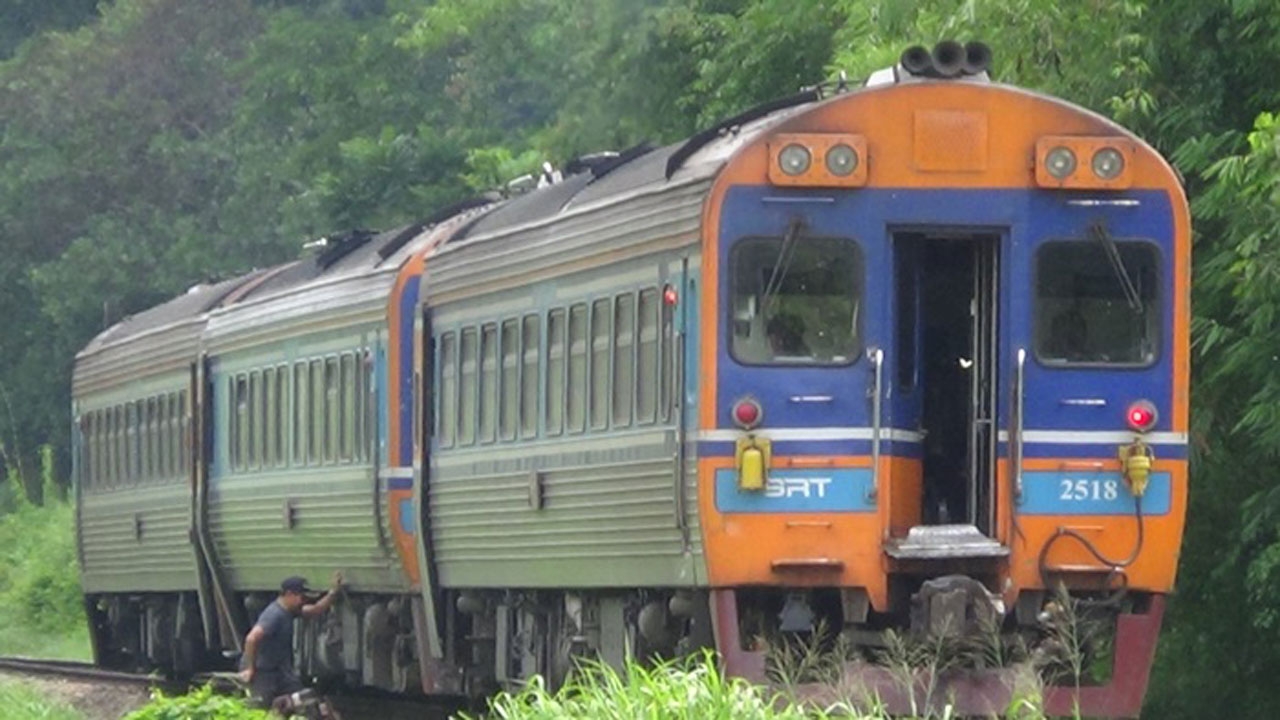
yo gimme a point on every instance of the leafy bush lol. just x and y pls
(41, 610)
(200, 704)
(22, 702)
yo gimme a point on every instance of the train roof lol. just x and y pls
(362, 253)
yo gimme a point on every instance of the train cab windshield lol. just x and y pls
(1095, 307)
(796, 300)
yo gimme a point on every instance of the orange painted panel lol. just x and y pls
(797, 550)
(905, 495)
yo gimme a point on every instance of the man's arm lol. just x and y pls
(322, 606)
(251, 652)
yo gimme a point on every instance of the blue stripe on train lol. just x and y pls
(901, 448)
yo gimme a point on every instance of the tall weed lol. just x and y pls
(41, 611)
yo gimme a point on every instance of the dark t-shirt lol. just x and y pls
(275, 650)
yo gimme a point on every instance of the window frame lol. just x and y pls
(859, 345)
(1159, 307)
(558, 405)
(448, 384)
(509, 398)
(530, 372)
(581, 391)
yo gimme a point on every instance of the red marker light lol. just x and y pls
(1141, 416)
(669, 295)
(746, 413)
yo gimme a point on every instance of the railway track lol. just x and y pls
(74, 670)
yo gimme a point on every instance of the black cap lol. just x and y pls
(294, 584)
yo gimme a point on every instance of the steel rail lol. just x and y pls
(73, 669)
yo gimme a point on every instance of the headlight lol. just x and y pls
(1060, 162)
(794, 159)
(842, 160)
(1108, 163)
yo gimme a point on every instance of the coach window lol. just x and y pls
(363, 403)
(576, 390)
(271, 398)
(315, 412)
(488, 382)
(159, 410)
(299, 416)
(107, 451)
(131, 442)
(332, 411)
(530, 353)
(347, 431)
(281, 416)
(447, 419)
(236, 428)
(146, 409)
(624, 361)
(467, 399)
(555, 399)
(795, 300)
(122, 446)
(182, 449)
(178, 436)
(510, 406)
(155, 419)
(255, 419)
(1097, 303)
(88, 426)
(601, 322)
(647, 357)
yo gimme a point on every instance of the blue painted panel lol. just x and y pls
(408, 523)
(1066, 492)
(792, 491)
(1025, 218)
(782, 448)
(408, 301)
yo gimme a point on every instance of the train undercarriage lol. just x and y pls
(951, 642)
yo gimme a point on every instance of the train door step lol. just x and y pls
(935, 542)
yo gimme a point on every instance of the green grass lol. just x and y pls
(41, 612)
(686, 689)
(24, 702)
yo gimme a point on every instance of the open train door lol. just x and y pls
(428, 607)
(945, 386)
(223, 619)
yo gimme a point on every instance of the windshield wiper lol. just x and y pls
(1112, 252)
(786, 253)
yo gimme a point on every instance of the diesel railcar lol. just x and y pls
(911, 356)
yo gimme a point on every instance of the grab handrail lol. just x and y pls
(876, 356)
(1015, 442)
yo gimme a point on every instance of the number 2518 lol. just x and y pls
(1075, 490)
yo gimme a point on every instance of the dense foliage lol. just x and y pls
(202, 704)
(41, 611)
(151, 144)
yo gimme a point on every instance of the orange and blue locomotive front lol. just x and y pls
(964, 356)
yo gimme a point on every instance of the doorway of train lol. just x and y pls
(945, 373)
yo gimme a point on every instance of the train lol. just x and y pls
(901, 358)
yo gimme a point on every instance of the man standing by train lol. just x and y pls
(268, 648)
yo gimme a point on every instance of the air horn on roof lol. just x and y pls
(949, 59)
